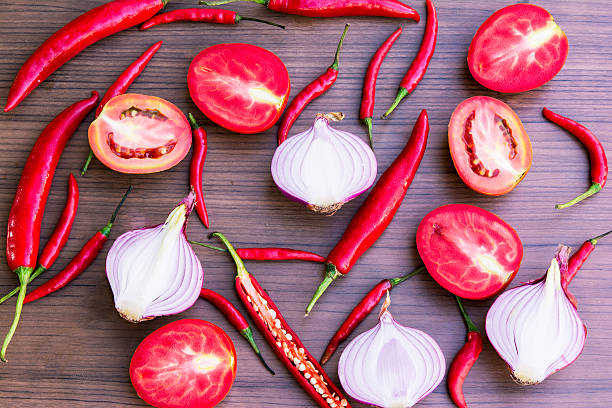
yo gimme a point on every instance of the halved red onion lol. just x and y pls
(391, 365)
(535, 328)
(323, 167)
(154, 271)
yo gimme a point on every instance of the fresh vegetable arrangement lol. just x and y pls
(244, 88)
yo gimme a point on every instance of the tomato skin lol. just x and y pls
(542, 49)
(139, 122)
(469, 251)
(164, 367)
(241, 87)
(500, 141)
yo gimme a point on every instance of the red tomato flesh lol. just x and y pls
(241, 87)
(489, 145)
(188, 363)
(518, 48)
(140, 134)
(469, 251)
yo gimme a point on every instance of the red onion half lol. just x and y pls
(323, 167)
(154, 271)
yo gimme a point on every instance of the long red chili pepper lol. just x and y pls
(25, 216)
(282, 339)
(197, 166)
(58, 238)
(464, 360)
(121, 84)
(361, 311)
(270, 254)
(377, 210)
(74, 37)
(236, 319)
(312, 91)
(597, 154)
(334, 8)
(419, 65)
(80, 262)
(218, 16)
(369, 83)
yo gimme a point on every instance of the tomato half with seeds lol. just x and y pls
(241, 87)
(140, 134)
(469, 251)
(489, 145)
(518, 48)
(188, 363)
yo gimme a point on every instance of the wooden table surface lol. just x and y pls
(73, 350)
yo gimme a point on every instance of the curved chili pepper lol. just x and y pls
(333, 8)
(121, 84)
(312, 91)
(25, 216)
(197, 165)
(597, 154)
(281, 338)
(270, 254)
(464, 360)
(369, 83)
(74, 37)
(419, 65)
(218, 16)
(80, 262)
(361, 311)
(235, 318)
(377, 210)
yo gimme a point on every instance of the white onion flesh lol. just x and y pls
(390, 365)
(154, 271)
(535, 328)
(323, 167)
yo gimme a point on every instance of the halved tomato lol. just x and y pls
(518, 48)
(140, 134)
(188, 363)
(242, 87)
(489, 146)
(469, 251)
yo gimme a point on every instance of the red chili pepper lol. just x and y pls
(312, 91)
(25, 216)
(361, 311)
(464, 360)
(281, 338)
(377, 210)
(270, 254)
(419, 65)
(121, 84)
(197, 166)
(218, 16)
(80, 262)
(334, 8)
(236, 319)
(369, 83)
(597, 154)
(74, 37)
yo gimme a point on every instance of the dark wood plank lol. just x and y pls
(72, 348)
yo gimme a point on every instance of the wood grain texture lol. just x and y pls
(73, 350)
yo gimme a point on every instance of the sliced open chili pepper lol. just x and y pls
(218, 16)
(283, 340)
(597, 154)
(80, 262)
(270, 254)
(464, 360)
(236, 319)
(25, 215)
(121, 84)
(419, 65)
(361, 311)
(377, 210)
(369, 83)
(74, 37)
(197, 166)
(312, 91)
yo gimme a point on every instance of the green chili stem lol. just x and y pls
(595, 188)
(593, 240)
(337, 57)
(468, 322)
(396, 281)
